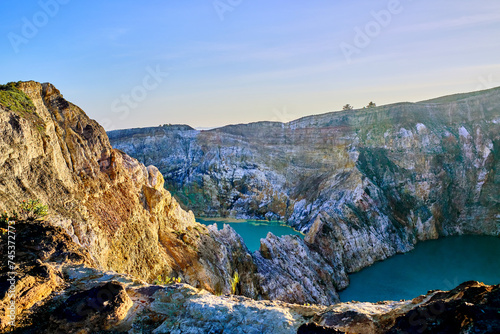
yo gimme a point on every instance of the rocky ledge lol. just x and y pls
(61, 291)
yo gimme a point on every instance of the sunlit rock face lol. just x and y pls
(109, 203)
(365, 184)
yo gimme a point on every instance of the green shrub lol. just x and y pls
(14, 99)
(168, 280)
(5, 218)
(234, 282)
(32, 210)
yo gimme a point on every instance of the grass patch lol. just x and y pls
(167, 280)
(14, 99)
(234, 282)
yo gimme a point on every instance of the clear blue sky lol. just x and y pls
(234, 61)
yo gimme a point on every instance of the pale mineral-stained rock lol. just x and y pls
(287, 267)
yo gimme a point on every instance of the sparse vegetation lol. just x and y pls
(371, 105)
(5, 218)
(29, 211)
(166, 281)
(200, 229)
(234, 282)
(32, 210)
(347, 107)
(14, 99)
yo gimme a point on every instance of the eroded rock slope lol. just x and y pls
(109, 203)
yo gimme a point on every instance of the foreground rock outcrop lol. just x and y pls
(364, 184)
(61, 291)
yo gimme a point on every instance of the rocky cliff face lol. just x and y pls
(108, 202)
(364, 184)
(118, 210)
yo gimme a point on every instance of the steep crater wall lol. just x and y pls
(364, 184)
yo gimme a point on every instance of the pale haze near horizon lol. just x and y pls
(212, 63)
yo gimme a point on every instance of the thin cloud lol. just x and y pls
(113, 34)
(293, 72)
(458, 23)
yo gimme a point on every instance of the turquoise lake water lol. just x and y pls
(436, 264)
(252, 230)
